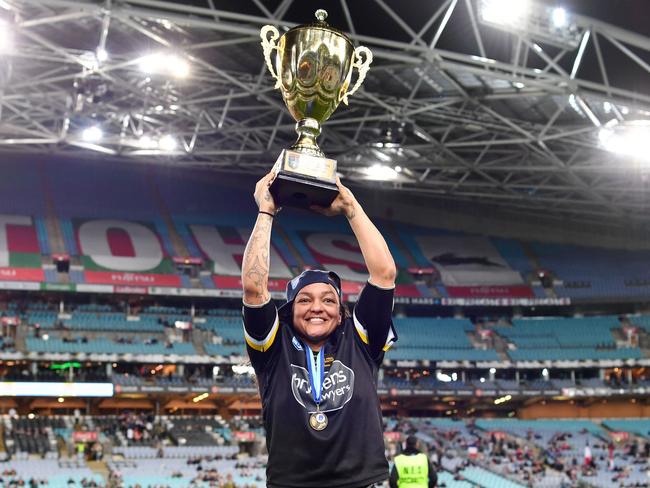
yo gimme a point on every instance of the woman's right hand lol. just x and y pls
(262, 195)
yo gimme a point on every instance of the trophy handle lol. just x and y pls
(268, 45)
(362, 66)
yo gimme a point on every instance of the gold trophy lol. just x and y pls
(313, 70)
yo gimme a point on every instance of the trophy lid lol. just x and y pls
(320, 23)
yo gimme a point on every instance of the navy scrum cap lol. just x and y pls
(309, 277)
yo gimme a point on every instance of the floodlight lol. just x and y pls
(552, 25)
(165, 64)
(102, 54)
(177, 66)
(147, 142)
(167, 143)
(92, 134)
(505, 12)
(559, 17)
(381, 172)
(630, 139)
(152, 63)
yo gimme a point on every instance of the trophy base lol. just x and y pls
(291, 190)
(303, 180)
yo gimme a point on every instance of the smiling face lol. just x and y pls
(316, 313)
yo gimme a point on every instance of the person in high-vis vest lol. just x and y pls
(412, 468)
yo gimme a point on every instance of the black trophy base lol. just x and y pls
(292, 190)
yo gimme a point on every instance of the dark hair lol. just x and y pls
(411, 442)
(345, 311)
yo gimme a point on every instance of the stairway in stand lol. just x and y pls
(100, 468)
(3, 449)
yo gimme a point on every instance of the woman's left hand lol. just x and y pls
(344, 203)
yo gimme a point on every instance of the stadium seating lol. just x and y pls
(559, 339)
(436, 339)
(640, 427)
(420, 338)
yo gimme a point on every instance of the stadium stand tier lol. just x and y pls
(128, 241)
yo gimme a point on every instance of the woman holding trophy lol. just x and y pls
(316, 363)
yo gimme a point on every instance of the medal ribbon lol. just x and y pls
(316, 369)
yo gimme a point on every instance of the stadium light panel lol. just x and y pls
(536, 20)
(381, 172)
(630, 139)
(152, 63)
(178, 67)
(92, 134)
(161, 63)
(559, 17)
(102, 55)
(147, 142)
(505, 12)
(167, 143)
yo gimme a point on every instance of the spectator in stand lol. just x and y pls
(229, 482)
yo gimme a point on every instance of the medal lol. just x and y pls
(318, 420)
(316, 369)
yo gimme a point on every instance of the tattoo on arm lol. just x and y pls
(256, 261)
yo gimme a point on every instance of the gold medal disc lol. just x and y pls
(318, 421)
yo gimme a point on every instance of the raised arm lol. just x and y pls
(255, 265)
(376, 254)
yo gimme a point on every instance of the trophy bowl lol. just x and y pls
(313, 70)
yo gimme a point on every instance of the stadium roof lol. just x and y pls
(472, 106)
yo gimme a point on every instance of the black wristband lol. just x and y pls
(267, 213)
